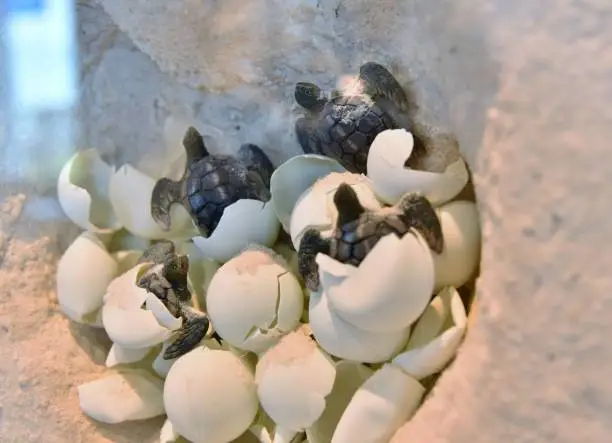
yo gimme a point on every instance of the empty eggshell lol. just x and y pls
(459, 260)
(82, 191)
(210, 396)
(315, 207)
(291, 179)
(293, 378)
(243, 223)
(344, 340)
(390, 288)
(83, 273)
(428, 359)
(379, 407)
(391, 179)
(130, 195)
(119, 355)
(253, 300)
(128, 395)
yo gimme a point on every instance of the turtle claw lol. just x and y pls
(196, 326)
(420, 214)
(311, 244)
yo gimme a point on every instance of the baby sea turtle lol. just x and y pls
(166, 278)
(358, 230)
(211, 183)
(344, 126)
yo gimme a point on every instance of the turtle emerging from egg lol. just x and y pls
(344, 126)
(211, 183)
(358, 230)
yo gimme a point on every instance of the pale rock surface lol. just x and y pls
(525, 85)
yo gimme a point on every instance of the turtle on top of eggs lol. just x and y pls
(166, 278)
(211, 183)
(358, 230)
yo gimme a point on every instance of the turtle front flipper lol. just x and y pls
(307, 136)
(311, 244)
(378, 82)
(196, 326)
(253, 157)
(348, 205)
(165, 193)
(418, 213)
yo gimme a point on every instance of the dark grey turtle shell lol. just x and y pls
(215, 182)
(346, 128)
(351, 242)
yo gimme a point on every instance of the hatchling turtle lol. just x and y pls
(358, 230)
(166, 278)
(211, 183)
(344, 126)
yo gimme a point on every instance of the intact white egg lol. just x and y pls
(243, 223)
(83, 273)
(210, 396)
(391, 179)
(82, 191)
(253, 300)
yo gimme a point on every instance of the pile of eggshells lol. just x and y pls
(345, 364)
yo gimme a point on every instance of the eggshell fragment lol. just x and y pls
(349, 377)
(167, 433)
(123, 292)
(390, 288)
(459, 260)
(128, 395)
(253, 299)
(315, 207)
(293, 378)
(210, 396)
(430, 358)
(130, 195)
(391, 179)
(162, 314)
(291, 179)
(243, 223)
(119, 355)
(82, 191)
(83, 273)
(344, 340)
(379, 407)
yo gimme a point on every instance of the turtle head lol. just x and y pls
(348, 205)
(175, 270)
(310, 96)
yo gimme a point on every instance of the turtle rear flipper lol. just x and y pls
(256, 160)
(196, 326)
(165, 193)
(310, 245)
(378, 83)
(418, 213)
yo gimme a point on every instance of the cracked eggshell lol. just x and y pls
(291, 179)
(119, 355)
(391, 179)
(168, 434)
(379, 407)
(83, 273)
(210, 396)
(130, 195)
(128, 395)
(315, 207)
(344, 340)
(82, 191)
(293, 379)
(420, 361)
(390, 288)
(253, 300)
(460, 257)
(243, 223)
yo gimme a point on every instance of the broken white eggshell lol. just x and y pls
(427, 359)
(243, 223)
(462, 241)
(293, 379)
(82, 191)
(391, 179)
(292, 178)
(379, 407)
(118, 355)
(130, 195)
(168, 434)
(315, 208)
(253, 300)
(128, 395)
(390, 288)
(210, 396)
(83, 273)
